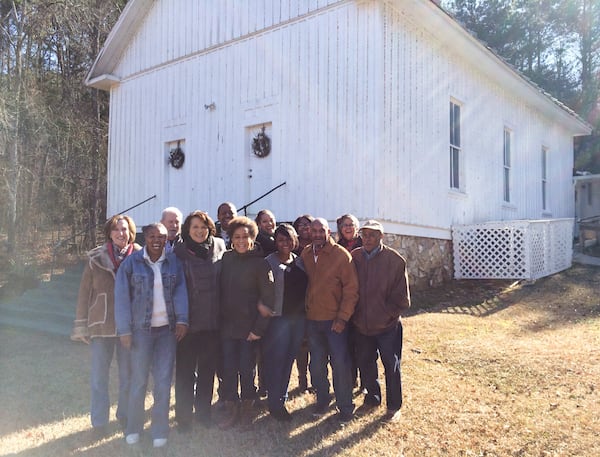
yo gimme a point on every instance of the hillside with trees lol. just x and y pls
(53, 129)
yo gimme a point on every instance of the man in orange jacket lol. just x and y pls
(331, 297)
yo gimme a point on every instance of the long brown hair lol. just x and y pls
(112, 223)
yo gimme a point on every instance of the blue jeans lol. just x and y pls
(103, 349)
(328, 346)
(389, 345)
(151, 349)
(280, 345)
(239, 359)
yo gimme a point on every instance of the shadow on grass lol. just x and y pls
(311, 439)
(78, 443)
(474, 297)
(57, 430)
(561, 299)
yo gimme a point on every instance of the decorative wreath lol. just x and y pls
(261, 144)
(176, 157)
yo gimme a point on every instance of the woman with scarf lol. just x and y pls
(199, 351)
(95, 320)
(348, 236)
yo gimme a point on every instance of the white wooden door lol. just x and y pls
(259, 167)
(175, 183)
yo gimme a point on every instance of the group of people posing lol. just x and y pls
(223, 299)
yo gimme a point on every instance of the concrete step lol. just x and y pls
(45, 322)
(49, 308)
(65, 296)
(35, 313)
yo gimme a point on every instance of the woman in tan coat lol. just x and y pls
(95, 319)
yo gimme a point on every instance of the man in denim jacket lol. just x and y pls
(151, 313)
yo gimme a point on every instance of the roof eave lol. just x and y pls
(119, 37)
(103, 82)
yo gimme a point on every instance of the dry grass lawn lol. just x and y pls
(490, 369)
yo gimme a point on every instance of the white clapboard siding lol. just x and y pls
(317, 120)
(421, 76)
(175, 29)
(356, 97)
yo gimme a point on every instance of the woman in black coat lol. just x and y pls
(246, 284)
(199, 351)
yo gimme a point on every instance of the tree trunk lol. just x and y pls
(14, 176)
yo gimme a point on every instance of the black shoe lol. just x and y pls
(345, 417)
(392, 416)
(184, 427)
(372, 400)
(99, 433)
(262, 393)
(281, 414)
(320, 410)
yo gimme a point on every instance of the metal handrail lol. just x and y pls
(245, 207)
(72, 237)
(591, 219)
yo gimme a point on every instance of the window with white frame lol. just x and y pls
(507, 163)
(544, 178)
(455, 150)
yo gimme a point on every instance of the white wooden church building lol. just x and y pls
(386, 109)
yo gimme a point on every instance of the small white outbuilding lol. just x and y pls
(386, 109)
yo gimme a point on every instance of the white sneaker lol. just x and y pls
(132, 438)
(159, 442)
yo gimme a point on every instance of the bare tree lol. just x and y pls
(52, 128)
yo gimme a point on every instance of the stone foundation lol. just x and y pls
(429, 261)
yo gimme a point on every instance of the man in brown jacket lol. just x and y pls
(330, 300)
(383, 295)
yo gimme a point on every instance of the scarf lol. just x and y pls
(351, 244)
(118, 255)
(199, 249)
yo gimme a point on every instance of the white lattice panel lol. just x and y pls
(512, 249)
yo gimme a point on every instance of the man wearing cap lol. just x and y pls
(383, 295)
(330, 300)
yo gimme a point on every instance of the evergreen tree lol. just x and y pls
(555, 43)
